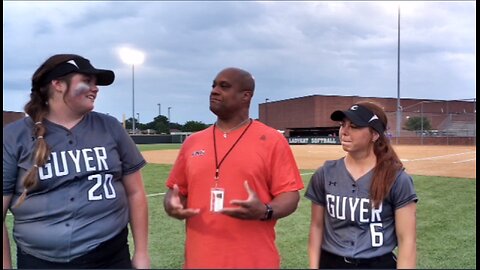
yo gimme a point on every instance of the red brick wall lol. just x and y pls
(9, 117)
(436, 140)
(314, 111)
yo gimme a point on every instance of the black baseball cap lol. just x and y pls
(361, 116)
(79, 65)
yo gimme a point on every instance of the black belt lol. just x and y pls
(356, 261)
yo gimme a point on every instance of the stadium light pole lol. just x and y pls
(159, 109)
(132, 57)
(169, 114)
(421, 122)
(399, 108)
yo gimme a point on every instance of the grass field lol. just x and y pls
(446, 226)
(149, 147)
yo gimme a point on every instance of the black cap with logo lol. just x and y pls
(361, 117)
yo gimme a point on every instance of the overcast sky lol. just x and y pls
(293, 49)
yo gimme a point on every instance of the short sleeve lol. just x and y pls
(17, 153)
(132, 159)
(9, 165)
(178, 173)
(284, 171)
(316, 189)
(403, 191)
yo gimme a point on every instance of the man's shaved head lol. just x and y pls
(244, 78)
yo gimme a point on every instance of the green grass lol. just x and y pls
(160, 146)
(446, 226)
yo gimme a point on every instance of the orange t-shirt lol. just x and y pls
(263, 158)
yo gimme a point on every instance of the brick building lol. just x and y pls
(9, 117)
(310, 115)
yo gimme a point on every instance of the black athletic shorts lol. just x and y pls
(113, 253)
(331, 261)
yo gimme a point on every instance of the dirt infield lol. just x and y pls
(450, 161)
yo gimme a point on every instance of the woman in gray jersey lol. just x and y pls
(71, 176)
(364, 204)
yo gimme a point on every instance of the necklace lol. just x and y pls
(225, 132)
(218, 164)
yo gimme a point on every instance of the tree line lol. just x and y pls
(161, 125)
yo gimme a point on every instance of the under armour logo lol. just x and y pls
(73, 63)
(354, 108)
(263, 138)
(332, 183)
(373, 118)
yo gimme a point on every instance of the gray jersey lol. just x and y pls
(352, 227)
(80, 200)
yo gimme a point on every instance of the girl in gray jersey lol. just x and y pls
(71, 177)
(364, 204)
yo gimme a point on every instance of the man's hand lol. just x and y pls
(175, 204)
(251, 208)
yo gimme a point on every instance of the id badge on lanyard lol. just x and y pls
(216, 199)
(217, 195)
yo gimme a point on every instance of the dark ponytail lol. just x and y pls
(388, 164)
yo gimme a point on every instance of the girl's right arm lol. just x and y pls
(316, 235)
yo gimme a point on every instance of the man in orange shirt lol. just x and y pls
(231, 182)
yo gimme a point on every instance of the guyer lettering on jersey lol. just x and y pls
(336, 207)
(87, 159)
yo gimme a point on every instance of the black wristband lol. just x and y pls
(268, 213)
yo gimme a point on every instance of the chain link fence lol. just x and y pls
(451, 122)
